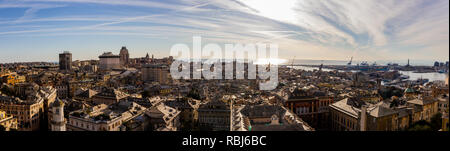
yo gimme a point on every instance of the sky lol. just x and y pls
(370, 30)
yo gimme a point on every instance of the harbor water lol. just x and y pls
(432, 76)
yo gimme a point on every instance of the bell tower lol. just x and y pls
(58, 123)
(124, 56)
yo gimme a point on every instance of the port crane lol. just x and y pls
(350, 63)
(292, 62)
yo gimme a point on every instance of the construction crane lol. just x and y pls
(292, 63)
(321, 66)
(350, 63)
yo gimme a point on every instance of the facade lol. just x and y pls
(104, 117)
(50, 96)
(29, 105)
(215, 114)
(108, 96)
(27, 112)
(354, 114)
(445, 125)
(437, 91)
(13, 79)
(124, 56)
(446, 80)
(155, 73)
(58, 122)
(344, 117)
(163, 117)
(312, 108)
(7, 121)
(109, 61)
(86, 95)
(423, 108)
(65, 61)
(443, 104)
(266, 118)
(63, 90)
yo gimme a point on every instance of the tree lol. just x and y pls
(420, 128)
(421, 125)
(390, 91)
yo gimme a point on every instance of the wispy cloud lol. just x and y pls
(313, 29)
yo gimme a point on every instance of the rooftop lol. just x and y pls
(104, 113)
(109, 55)
(111, 93)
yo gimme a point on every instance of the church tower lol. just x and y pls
(124, 56)
(58, 122)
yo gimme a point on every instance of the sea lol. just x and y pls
(432, 76)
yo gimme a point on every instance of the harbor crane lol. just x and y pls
(350, 63)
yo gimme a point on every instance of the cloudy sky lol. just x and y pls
(372, 30)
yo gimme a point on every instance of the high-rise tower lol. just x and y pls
(65, 61)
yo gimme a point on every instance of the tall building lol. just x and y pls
(155, 73)
(124, 56)
(27, 112)
(58, 122)
(355, 114)
(215, 115)
(65, 61)
(109, 61)
(28, 105)
(311, 106)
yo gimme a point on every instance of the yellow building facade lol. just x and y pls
(8, 121)
(13, 79)
(27, 114)
(445, 125)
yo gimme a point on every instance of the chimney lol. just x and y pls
(363, 118)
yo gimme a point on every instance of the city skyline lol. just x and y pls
(319, 30)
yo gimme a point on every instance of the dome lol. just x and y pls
(124, 50)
